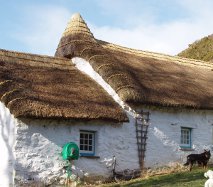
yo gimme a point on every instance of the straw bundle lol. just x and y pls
(45, 87)
(139, 77)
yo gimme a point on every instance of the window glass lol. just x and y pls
(87, 143)
(185, 139)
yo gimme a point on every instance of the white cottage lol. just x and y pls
(147, 109)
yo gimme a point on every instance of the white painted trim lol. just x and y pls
(84, 66)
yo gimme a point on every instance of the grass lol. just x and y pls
(194, 178)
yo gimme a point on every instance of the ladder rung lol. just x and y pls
(140, 144)
(141, 131)
(142, 137)
(142, 150)
(140, 147)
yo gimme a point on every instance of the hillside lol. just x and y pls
(194, 178)
(200, 49)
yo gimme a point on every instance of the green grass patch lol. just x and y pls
(194, 178)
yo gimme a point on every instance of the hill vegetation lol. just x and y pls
(200, 49)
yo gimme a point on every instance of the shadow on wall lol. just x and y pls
(38, 150)
(7, 122)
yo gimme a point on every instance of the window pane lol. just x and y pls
(81, 135)
(185, 136)
(90, 136)
(90, 148)
(87, 142)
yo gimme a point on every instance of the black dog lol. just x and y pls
(201, 159)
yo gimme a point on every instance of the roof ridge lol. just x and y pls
(160, 56)
(17, 54)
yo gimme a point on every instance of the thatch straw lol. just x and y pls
(46, 87)
(141, 77)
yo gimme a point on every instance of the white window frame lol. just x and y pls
(87, 139)
(186, 137)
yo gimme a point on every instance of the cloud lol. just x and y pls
(166, 27)
(141, 12)
(41, 31)
(169, 37)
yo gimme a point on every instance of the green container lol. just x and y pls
(70, 151)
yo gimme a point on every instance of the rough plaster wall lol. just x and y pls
(164, 138)
(39, 144)
(165, 131)
(7, 122)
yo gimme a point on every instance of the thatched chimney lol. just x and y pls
(74, 38)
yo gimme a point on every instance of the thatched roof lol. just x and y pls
(141, 77)
(49, 87)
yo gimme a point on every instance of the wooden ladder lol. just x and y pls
(142, 124)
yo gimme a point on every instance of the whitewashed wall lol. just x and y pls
(165, 127)
(7, 124)
(165, 132)
(39, 144)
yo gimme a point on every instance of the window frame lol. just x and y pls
(189, 145)
(212, 132)
(87, 152)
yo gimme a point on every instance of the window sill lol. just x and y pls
(186, 149)
(90, 156)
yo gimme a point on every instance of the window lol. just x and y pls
(87, 143)
(185, 137)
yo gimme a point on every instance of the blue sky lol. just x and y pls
(165, 26)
